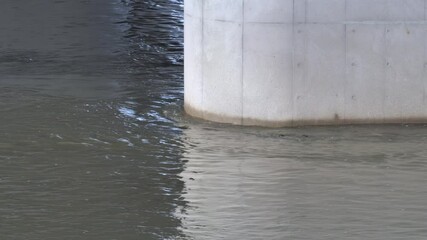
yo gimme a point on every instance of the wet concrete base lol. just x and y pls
(220, 118)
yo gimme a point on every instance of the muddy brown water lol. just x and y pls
(94, 144)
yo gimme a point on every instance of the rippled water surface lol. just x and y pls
(94, 144)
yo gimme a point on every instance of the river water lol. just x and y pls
(94, 143)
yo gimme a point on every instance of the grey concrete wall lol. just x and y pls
(296, 62)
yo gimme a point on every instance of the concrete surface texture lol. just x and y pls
(299, 62)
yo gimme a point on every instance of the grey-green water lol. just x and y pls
(94, 144)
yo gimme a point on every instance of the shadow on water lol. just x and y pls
(85, 149)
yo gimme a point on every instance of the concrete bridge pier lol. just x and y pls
(306, 62)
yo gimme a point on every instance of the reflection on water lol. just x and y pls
(309, 183)
(94, 145)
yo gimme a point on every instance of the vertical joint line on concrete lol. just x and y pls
(425, 10)
(293, 64)
(305, 11)
(203, 55)
(386, 10)
(424, 64)
(424, 57)
(243, 63)
(385, 72)
(345, 62)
